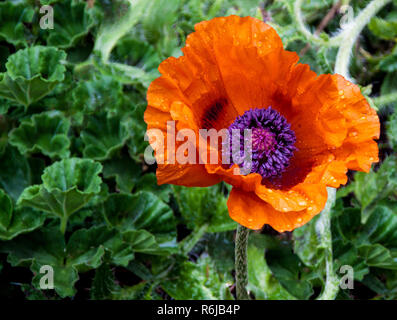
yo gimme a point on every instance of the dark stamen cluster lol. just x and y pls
(272, 141)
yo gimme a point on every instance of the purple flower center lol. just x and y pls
(272, 142)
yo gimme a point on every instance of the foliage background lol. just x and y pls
(74, 190)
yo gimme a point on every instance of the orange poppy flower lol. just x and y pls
(307, 130)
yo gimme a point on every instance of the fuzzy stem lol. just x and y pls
(323, 227)
(385, 99)
(241, 262)
(351, 33)
(297, 14)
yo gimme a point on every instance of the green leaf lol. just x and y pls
(201, 206)
(86, 248)
(148, 182)
(5, 210)
(13, 17)
(220, 247)
(261, 281)
(103, 284)
(15, 173)
(308, 245)
(381, 226)
(375, 186)
(14, 222)
(140, 291)
(119, 18)
(46, 132)
(135, 52)
(143, 241)
(72, 21)
(287, 268)
(379, 256)
(190, 281)
(384, 29)
(23, 220)
(389, 63)
(104, 136)
(124, 73)
(67, 186)
(137, 144)
(142, 210)
(31, 74)
(103, 93)
(40, 248)
(125, 170)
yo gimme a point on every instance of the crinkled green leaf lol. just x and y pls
(119, 17)
(125, 170)
(103, 285)
(23, 220)
(15, 173)
(287, 269)
(148, 182)
(375, 186)
(46, 132)
(72, 21)
(6, 208)
(220, 247)
(44, 247)
(126, 74)
(142, 210)
(140, 291)
(379, 256)
(13, 17)
(67, 186)
(143, 241)
(134, 52)
(137, 144)
(86, 248)
(197, 281)
(201, 206)
(104, 136)
(103, 93)
(16, 221)
(32, 73)
(261, 281)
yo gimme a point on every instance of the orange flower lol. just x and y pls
(233, 69)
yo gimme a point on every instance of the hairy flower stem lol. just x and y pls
(241, 262)
(351, 33)
(323, 228)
